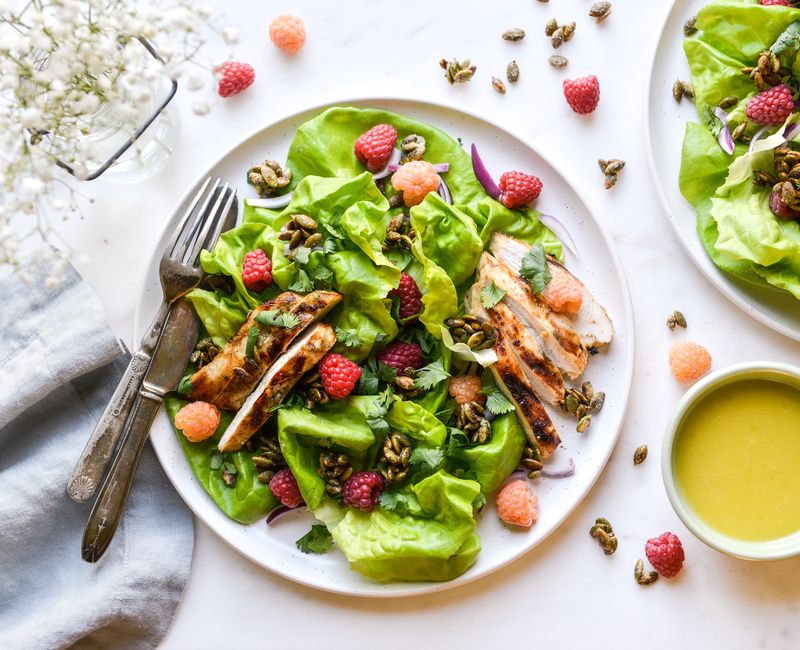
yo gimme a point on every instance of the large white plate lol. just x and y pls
(610, 371)
(665, 121)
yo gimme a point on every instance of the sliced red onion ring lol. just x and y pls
(271, 202)
(569, 470)
(516, 475)
(724, 136)
(560, 231)
(280, 511)
(791, 131)
(483, 175)
(444, 192)
(441, 168)
(394, 159)
(756, 137)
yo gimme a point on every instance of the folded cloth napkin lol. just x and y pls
(59, 363)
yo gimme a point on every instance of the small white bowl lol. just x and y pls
(777, 549)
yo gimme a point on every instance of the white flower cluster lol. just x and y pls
(67, 67)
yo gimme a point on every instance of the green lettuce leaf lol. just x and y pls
(385, 546)
(249, 499)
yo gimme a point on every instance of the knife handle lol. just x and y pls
(99, 449)
(110, 505)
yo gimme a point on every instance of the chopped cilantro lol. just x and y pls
(301, 254)
(400, 502)
(498, 403)
(491, 294)
(252, 338)
(185, 387)
(431, 375)
(348, 338)
(317, 540)
(534, 268)
(427, 459)
(301, 283)
(376, 414)
(275, 318)
(216, 460)
(422, 337)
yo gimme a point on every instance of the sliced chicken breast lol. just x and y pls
(542, 373)
(555, 332)
(232, 375)
(591, 322)
(301, 356)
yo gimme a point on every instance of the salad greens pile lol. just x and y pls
(734, 221)
(424, 529)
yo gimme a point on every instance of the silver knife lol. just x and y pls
(164, 374)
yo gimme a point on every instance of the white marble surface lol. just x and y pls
(566, 591)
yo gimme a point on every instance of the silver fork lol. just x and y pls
(179, 273)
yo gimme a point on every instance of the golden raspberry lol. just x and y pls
(563, 294)
(287, 33)
(415, 180)
(197, 421)
(689, 361)
(466, 388)
(517, 504)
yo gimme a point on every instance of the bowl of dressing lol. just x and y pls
(731, 460)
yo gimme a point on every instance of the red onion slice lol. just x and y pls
(280, 511)
(569, 470)
(483, 175)
(756, 137)
(441, 168)
(394, 159)
(560, 231)
(724, 136)
(271, 202)
(444, 192)
(791, 131)
(516, 475)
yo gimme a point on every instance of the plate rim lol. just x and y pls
(718, 278)
(412, 589)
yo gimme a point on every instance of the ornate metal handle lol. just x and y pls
(110, 504)
(95, 457)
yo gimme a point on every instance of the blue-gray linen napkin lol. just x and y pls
(59, 363)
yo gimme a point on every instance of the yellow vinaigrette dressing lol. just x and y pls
(737, 459)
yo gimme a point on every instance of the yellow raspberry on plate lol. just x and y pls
(689, 361)
(517, 505)
(197, 421)
(466, 388)
(287, 33)
(415, 180)
(563, 294)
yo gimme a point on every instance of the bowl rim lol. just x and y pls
(782, 548)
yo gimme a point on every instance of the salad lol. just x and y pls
(739, 161)
(380, 336)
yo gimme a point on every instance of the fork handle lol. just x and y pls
(98, 451)
(107, 510)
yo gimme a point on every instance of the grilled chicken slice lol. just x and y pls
(592, 322)
(542, 373)
(555, 332)
(231, 376)
(511, 379)
(301, 356)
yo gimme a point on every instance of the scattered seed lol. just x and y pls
(600, 10)
(677, 319)
(551, 27)
(583, 423)
(604, 534)
(512, 72)
(544, 2)
(728, 102)
(557, 39)
(688, 91)
(498, 85)
(457, 72)
(640, 455)
(611, 169)
(677, 90)
(641, 577)
(514, 34)
(689, 26)
(228, 478)
(736, 134)
(558, 61)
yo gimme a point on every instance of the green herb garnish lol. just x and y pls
(348, 338)
(534, 268)
(275, 318)
(430, 375)
(301, 283)
(252, 338)
(491, 294)
(317, 540)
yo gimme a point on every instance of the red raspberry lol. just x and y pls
(410, 296)
(582, 94)
(416, 179)
(374, 148)
(517, 504)
(362, 490)
(197, 421)
(339, 375)
(665, 553)
(774, 3)
(772, 106)
(401, 356)
(466, 388)
(256, 271)
(779, 208)
(284, 486)
(234, 77)
(518, 189)
(287, 33)
(689, 361)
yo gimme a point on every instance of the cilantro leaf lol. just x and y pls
(321, 274)
(422, 337)
(301, 254)
(788, 42)
(479, 501)
(430, 375)
(348, 338)
(386, 373)
(332, 227)
(534, 268)
(399, 502)
(229, 467)
(301, 283)
(497, 403)
(317, 540)
(330, 245)
(252, 338)
(185, 387)
(491, 294)
(427, 459)
(216, 460)
(275, 318)
(376, 414)
(368, 383)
